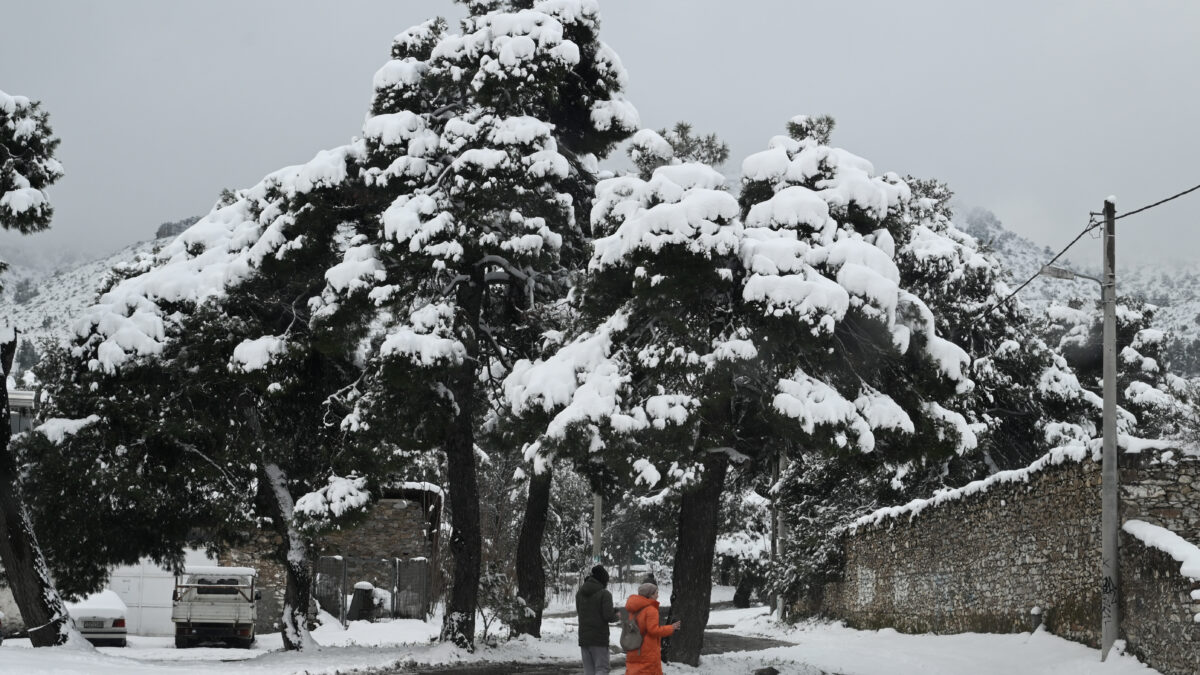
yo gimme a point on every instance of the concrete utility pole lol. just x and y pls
(597, 526)
(1110, 563)
(781, 534)
(1110, 523)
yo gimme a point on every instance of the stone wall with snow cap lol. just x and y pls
(1023, 546)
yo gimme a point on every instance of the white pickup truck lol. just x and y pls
(215, 604)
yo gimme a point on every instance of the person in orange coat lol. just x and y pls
(647, 659)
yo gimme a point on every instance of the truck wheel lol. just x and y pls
(182, 642)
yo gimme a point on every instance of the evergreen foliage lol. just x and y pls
(27, 165)
(390, 279)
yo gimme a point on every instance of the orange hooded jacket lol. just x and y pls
(648, 659)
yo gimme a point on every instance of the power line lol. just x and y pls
(1158, 203)
(1088, 228)
(1092, 224)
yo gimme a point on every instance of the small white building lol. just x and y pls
(20, 410)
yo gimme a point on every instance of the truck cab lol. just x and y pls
(215, 604)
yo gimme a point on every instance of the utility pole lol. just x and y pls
(1110, 565)
(597, 525)
(781, 534)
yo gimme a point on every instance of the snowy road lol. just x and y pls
(747, 639)
(715, 642)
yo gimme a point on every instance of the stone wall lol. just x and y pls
(396, 528)
(403, 525)
(999, 555)
(1164, 493)
(1158, 610)
(260, 553)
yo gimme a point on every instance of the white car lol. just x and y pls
(100, 618)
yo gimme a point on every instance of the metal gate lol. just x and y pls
(403, 587)
(329, 584)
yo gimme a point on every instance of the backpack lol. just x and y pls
(631, 633)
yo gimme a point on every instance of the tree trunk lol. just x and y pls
(458, 625)
(294, 553)
(41, 607)
(699, 509)
(531, 572)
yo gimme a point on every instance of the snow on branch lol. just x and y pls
(322, 508)
(814, 403)
(57, 429)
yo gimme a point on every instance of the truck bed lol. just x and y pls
(212, 612)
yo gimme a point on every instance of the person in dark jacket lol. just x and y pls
(594, 604)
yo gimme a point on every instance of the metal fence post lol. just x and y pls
(342, 595)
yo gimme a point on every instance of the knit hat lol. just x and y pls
(600, 574)
(647, 590)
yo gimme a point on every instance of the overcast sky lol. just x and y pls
(1035, 110)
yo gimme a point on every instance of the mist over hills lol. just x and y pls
(45, 290)
(1173, 287)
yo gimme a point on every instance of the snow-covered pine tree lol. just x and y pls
(1154, 402)
(225, 315)
(654, 384)
(485, 142)
(27, 168)
(1011, 364)
(1023, 400)
(27, 164)
(710, 340)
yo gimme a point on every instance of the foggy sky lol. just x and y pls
(1035, 110)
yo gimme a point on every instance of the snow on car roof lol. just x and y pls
(105, 605)
(213, 570)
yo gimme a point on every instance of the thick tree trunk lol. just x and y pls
(458, 626)
(41, 607)
(531, 572)
(294, 553)
(692, 580)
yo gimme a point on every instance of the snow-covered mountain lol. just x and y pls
(42, 301)
(1174, 289)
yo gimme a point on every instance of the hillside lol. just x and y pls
(1174, 289)
(59, 294)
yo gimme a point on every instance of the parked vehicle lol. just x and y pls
(215, 604)
(100, 618)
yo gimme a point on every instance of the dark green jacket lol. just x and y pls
(594, 604)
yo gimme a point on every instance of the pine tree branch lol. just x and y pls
(491, 338)
(228, 479)
(453, 283)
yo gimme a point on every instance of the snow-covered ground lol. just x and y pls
(818, 647)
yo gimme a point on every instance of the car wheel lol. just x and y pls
(122, 643)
